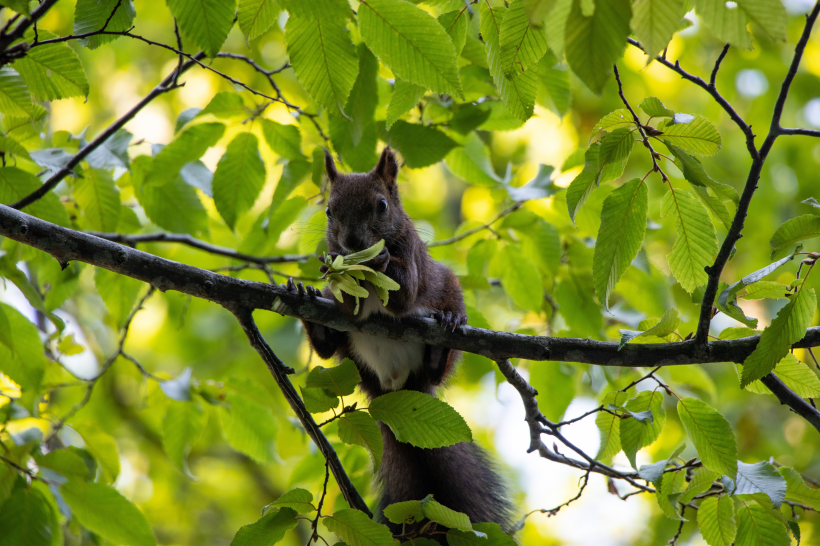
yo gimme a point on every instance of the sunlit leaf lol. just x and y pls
(716, 520)
(420, 419)
(91, 15)
(711, 434)
(696, 243)
(205, 22)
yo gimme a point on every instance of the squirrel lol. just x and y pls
(362, 209)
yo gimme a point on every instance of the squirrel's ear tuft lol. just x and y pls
(387, 168)
(330, 167)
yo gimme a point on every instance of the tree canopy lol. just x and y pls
(627, 191)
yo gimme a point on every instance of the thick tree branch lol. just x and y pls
(789, 398)
(804, 132)
(164, 86)
(758, 159)
(68, 245)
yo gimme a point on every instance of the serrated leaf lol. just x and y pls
(769, 15)
(798, 376)
(14, 94)
(711, 434)
(300, 500)
(494, 536)
(411, 43)
(518, 94)
(760, 477)
(256, 16)
(635, 434)
(91, 15)
(318, 401)
(318, 9)
(522, 43)
(16, 183)
(795, 230)
(420, 145)
(356, 529)
(756, 527)
(696, 243)
(456, 24)
(555, 81)
(188, 146)
(420, 419)
(654, 23)
(405, 96)
(593, 44)
(667, 324)
(715, 206)
(556, 25)
(471, 163)
(786, 329)
(340, 380)
(181, 427)
(103, 510)
(52, 71)
(118, 292)
(614, 120)
(26, 519)
(359, 428)
(284, 140)
(523, 282)
(765, 290)
(113, 152)
(730, 293)
(695, 174)
(609, 426)
(716, 520)
(225, 105)
(728, 25)
(239, 177)
(174, 206)
(99, 200)
(324, 60)
(435, 511)
(583, 184)
(702, 480)
(798, 491)
(623, 225)
(697, 136)
(668, 492)
(268, 530)
(249, 427)
(205, 22)
(25, 364)
(404, 512)
(613, 154)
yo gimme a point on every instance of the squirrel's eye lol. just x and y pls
(382, 206)
(327, 211)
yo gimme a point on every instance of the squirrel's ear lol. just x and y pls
(330, 167)
(387, 168)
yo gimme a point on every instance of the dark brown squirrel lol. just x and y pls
(362, 209)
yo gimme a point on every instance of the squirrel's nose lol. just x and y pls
(354, 243)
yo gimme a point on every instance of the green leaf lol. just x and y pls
(411, 43)
(420, 419)
(340, 380)
(495, 536)
(668, 323)
(667, 491)
(91, 15)
(702, 480)
(268, 530)
(798, 491)
(594, 43)
(187, 147)
(786, 329)
(318, 9)
(471, 162)
(614, 154)
(522, 43)
(113, 152)
(518, 94)
(583, 184)
(9, 146)
(766, 290)
(635, 434)
(318, 401)
(52, 71)
(25, 364)
(795, 230)
(769, 15)
(798, 376)
(652, 106)
(696, 243)
(697, 136)
(405, 96)
(284, 140)
(614, 120)
(654, 23)
(103, 447)
(523, 282)
(225, 105)
(730, 293)
(359, 428)
(716, 520)
(728, 25)
(256, 17)
(404, 512)
(555, 81)
(174, 206)
(420, 145)
(757, 527)
(103, 510)
(435, 511)
(356, 529)
(249, 427)
(456, 23)
(695, 174)
(711, 434)
(205, 22)
(609, 426)
(14, 95)
(297, 499)
(119, 293)
(181, 427)
(715, 206)
(239, 177)
(760, 477)
(16, 183)
(67, 462)
(26, 519)
(623, 225)
(99, 199)
(324, 59)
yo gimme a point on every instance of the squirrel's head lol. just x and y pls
(364, 207)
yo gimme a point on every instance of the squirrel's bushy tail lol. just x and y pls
(459, 476)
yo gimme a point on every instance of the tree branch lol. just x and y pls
(68, 245)
(758, 159)
(789, 398)
(20, 29)
(163, 87)
(804, 132)
(460, 236)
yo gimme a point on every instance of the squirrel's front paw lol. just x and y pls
(450, 321)
(301, 288)
(332, 256)
(379, 263)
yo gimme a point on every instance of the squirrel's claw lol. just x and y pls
(450, 321)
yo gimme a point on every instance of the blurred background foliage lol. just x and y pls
(174, 332)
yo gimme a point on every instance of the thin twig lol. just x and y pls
(460, 236)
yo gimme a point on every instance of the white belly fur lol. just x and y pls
(391, 360)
